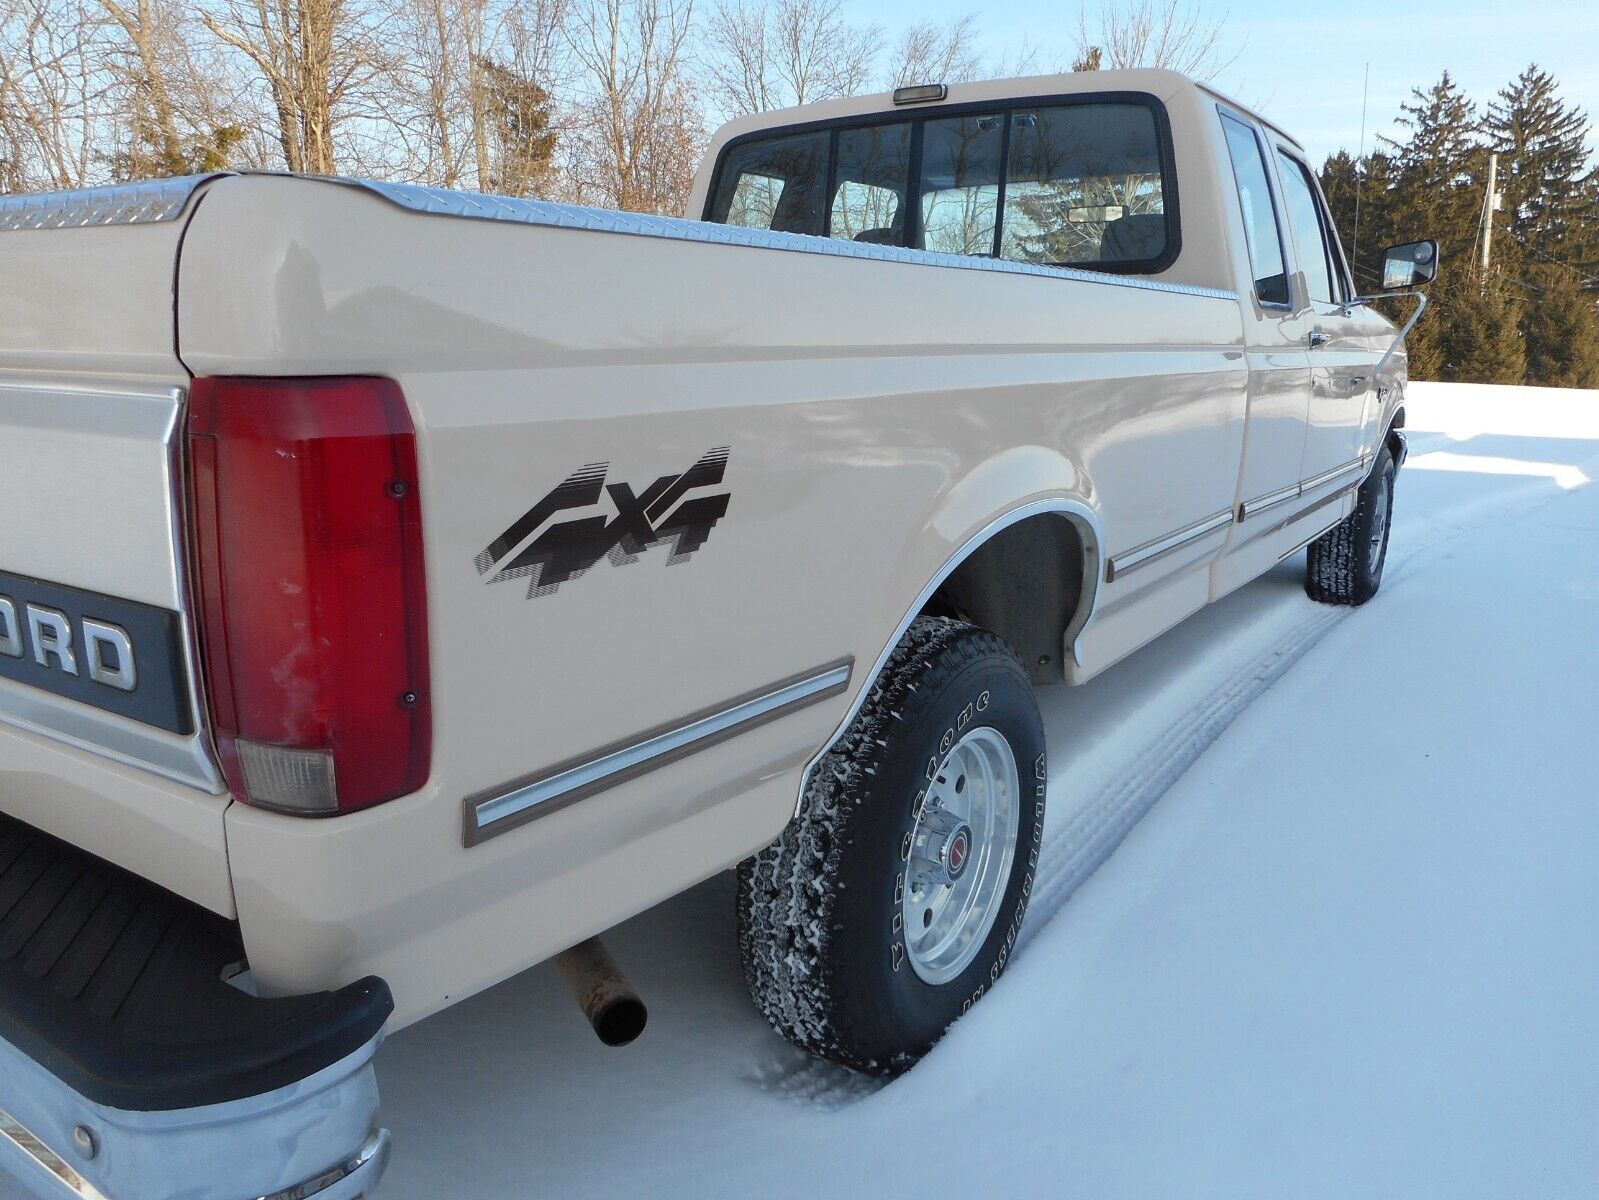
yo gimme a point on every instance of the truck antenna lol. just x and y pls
(1360, 165)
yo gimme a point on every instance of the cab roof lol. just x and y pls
(1157, 82)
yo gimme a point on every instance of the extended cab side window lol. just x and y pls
(1085, 187)
(777, 184)
(1260, 218)
(1311, 249)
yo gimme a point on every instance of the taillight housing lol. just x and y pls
(306, 534)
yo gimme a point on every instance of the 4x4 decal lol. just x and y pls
(662, 512)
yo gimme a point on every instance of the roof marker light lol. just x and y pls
(921, 93)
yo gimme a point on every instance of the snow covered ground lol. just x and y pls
(1349, 949)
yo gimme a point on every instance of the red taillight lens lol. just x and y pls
(307, 540)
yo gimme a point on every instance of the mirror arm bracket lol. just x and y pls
(1361, 301)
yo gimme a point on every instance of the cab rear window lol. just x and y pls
(1085, 182)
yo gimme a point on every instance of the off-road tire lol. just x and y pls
(819, 910)
(1340, 568)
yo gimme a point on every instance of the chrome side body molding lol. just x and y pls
(1142, 556)
(1253, 508)
(491, 813)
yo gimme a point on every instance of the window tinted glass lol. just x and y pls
(1304, 222)
(873, 171)
(960, 183)
(777, 184)
(1083, 186)
(1260, 221)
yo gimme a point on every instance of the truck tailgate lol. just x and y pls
(101, 741)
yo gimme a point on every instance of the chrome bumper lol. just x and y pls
(312, 1140)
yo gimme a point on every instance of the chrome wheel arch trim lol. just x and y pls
(1088, 527)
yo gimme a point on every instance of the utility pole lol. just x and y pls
(1490, 205)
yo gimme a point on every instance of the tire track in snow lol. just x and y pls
(1074, 851)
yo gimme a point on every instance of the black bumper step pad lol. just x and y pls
(115, 986)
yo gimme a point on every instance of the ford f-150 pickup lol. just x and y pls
(401, 587)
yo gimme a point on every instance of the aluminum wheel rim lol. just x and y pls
(946, 920)
(1379, 527)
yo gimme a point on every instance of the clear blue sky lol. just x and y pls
(1302, 63)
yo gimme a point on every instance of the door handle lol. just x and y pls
(1317, 339)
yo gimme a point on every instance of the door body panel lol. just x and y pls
(1343, 391)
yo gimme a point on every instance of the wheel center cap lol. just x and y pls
(958, 851)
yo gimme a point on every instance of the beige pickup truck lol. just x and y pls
(400, 587)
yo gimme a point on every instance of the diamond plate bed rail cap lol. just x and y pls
(166, 199)
(144, 203)
(474, 206)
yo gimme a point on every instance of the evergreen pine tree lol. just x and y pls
(1560, 329)
(1340, 182)
(1428, 357)
(1551, 205)
(1436, 169)
(1481, 333)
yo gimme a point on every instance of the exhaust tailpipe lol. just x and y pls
(607, 999)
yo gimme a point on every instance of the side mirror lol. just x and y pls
(1409, 265)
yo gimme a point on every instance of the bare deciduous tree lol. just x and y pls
(313, 54)
(53, 111)
(767, 54)
(599, 101)
(147, 31)
(929, 52)
(437, 44)
(170, 111)
(526, 60)
(1179, 35)
(641, 134)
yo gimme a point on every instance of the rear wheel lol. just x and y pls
(1345, 564)
(892, 902)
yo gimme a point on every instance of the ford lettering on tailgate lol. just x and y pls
(118, 655)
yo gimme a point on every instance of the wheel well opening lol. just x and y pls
(1025, 584)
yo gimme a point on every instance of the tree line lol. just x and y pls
(597, 101)
(610, 102)
(1531, 316)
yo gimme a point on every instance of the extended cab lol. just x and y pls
(399, 587)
